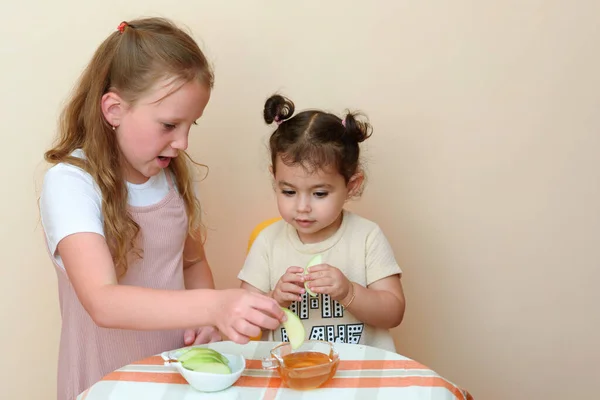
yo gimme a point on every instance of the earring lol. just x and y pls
(114, 127)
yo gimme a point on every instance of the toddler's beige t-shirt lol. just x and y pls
(359, 249)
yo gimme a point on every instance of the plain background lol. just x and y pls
(483, 167)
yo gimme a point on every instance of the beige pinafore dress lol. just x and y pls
(87, 352)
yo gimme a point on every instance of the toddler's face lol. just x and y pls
(310, 202)
(156, 128)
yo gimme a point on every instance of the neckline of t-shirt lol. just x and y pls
(319, 247)
(150, 182)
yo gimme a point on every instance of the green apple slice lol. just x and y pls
(203, 358)
(294, 328)
(206, 365)
(316, 260)
(202, 352)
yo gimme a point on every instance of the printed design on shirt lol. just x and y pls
(294, 307)
(331, 308)
(343, 333)
(284, 337)
(304, 312)
(346, 333)
(314, 303)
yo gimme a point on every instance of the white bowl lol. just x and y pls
(206, 381)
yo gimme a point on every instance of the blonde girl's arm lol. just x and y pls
(237, 313)
(196, 270)
(255, 272)
(250, 288)
(264, 334)
(198, 275)
(91, 271)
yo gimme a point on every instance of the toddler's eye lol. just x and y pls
(288, 192)
(168, 127)
(321, 194)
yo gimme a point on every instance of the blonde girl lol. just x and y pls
(120, 216)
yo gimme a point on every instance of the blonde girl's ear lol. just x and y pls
(112, 108)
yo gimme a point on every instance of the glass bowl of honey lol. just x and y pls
(310, 366)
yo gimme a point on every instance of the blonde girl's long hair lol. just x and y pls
(130, 61)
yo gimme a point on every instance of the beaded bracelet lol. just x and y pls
(351, 298)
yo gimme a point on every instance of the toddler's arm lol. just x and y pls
(380, 304)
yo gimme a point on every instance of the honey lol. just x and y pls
(307, 369)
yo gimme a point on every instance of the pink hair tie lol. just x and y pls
(121, 27)
(344, 122)
(278, 120)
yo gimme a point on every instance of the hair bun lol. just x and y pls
(278, 108)
(356, 129)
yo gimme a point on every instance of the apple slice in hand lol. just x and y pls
(316, 260)
(294, 328)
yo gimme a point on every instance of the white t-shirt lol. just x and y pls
(359, 249)
(71, 201)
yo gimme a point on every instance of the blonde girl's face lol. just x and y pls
(151, 132)
(312, 202)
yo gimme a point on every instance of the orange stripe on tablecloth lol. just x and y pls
(274, 382)
(153, 377)
(259, 381)
(372, 382)
(379, 364)
(154, 360)
(176, 378)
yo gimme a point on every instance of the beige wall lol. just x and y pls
(483, 168)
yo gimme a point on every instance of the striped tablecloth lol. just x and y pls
(364, 373)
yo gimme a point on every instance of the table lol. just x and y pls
(364, 373)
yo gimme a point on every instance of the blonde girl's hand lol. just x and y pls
(326, 279)
(241, 314)
(290, 287)
(202, 335)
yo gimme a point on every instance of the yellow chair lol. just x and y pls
(257, 229)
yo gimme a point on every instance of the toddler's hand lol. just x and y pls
(202, 335)
(240, 314)
(324, 278)
(289, 287)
